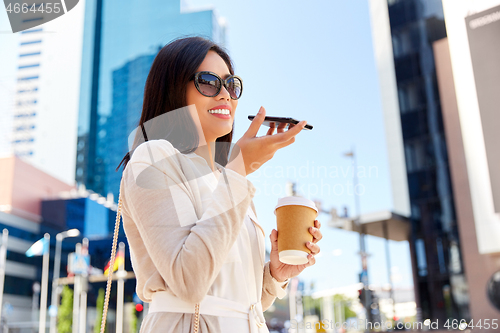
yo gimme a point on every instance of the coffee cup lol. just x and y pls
(294, 215)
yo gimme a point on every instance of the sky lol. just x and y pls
(314, 61)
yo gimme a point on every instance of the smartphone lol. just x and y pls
(275, 121)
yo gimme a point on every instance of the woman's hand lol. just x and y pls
(281, 271)
(250, 152)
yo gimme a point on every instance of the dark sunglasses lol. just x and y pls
(209, 84)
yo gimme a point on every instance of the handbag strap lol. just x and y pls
(112, 264)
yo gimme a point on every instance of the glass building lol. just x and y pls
(128, 90)
(404, 32)
(120, 43)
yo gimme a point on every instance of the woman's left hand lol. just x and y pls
(281, 271)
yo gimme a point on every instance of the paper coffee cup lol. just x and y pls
(294, 215)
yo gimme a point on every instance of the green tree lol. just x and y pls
(99, 309)
(65, 313)
(133, 320)
(346, 302)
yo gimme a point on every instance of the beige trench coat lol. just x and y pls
(193, 232)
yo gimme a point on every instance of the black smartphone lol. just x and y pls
(275, 121)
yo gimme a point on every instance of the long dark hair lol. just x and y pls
(165, 91)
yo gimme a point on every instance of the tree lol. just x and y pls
(133, 320)
(65, 313)
(99, 309)
(346, 302)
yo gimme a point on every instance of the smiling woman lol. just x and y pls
(196, 246)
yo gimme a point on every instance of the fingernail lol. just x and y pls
(260, 110)
(308, 243)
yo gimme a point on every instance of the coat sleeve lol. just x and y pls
(187, 250)
(271, 289)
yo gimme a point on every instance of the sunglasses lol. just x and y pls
(210, 84)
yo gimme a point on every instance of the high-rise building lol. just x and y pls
(128, 91)
(119, 48)
(39, 87)
(431, 182)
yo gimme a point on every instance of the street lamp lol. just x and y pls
(57, 267)
(362, 249)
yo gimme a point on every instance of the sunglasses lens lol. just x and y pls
(209, 84)
(234, 87)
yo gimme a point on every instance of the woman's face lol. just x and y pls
(213, 125)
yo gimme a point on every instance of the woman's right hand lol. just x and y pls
(254, 151)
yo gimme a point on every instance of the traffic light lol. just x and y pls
(362, 293)
(139, 304)
(375, 308)
(362, 296)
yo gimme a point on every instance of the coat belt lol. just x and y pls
(164, 301)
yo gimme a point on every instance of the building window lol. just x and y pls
(415, 156)
(28, 66)
(410, 97)
(29, 54)
(31, 42)
(440, 253)
(421, 257)
(15, 285)
(401, 43)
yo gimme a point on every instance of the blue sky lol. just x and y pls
(314, 61)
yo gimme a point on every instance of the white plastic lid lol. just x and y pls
(298, 201)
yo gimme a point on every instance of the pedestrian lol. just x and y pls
(196, 246)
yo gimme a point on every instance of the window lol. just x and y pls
(415, 156)
(421, 257)
(401, 43)
(410, 97)
(29, 54)
(31, 42)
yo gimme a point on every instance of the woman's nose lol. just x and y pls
(224, 93)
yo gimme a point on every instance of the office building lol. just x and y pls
(432, 179)
(39, 92)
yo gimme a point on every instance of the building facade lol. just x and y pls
(440, 155)
(404, 52)
(39, 88)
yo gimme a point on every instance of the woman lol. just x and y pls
(187, 205)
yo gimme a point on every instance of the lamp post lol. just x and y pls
(57, 267)
(357, 222)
